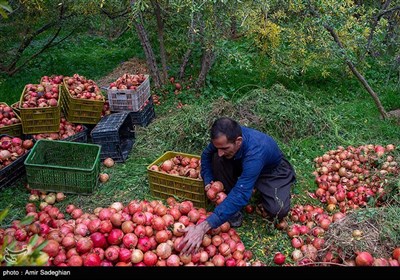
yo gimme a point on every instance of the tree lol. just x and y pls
(30, 20)
(301, 34)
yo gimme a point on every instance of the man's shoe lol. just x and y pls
(236, 220)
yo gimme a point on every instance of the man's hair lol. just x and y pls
(226, 126)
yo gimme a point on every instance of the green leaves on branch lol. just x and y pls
(4, 8)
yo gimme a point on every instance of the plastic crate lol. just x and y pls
(14, 129)
(12, 172)
(145, 115)
(81, 136)
(128, 99)
(116, 135)
(39, 120)
(15, 107)
(62, 166)
(78, 110)
(163, 185)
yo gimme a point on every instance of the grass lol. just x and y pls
(320, 114)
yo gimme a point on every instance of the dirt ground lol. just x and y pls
(132, 66)
(395, 114)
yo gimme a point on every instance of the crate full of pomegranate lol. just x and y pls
(178, 175)
(10, 122)
(40, 108)
(129, 92)
(82, 100)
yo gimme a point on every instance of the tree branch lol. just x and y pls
(46, 46)
(11, 68)
(374, 24)
(116, 14)
(388, 11)
(351, 65)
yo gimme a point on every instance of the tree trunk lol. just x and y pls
(150, 57)
(188, 52)
(184, 63)
(160, 34)
(206, 63)
(360, 77)
(234, 34)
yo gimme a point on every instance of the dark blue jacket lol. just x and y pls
(258, 153)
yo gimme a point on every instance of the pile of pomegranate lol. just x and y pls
(180, 166)
(128, 81)
(106, 109)
(80, 87)
(52, 80)
(140, 233)
(347, 178)
(11, 148)
(7, 116)
(40, 96)
(67, 129)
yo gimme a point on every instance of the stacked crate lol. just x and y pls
(115, 134)
(136, 101)
(145, 115)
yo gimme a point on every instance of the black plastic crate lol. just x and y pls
(144, 116)
(14, 171)
(78, 137)
(116, 135)
(117, 151)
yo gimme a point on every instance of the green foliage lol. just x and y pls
(11, 254)
(4, 8)
(294, 34)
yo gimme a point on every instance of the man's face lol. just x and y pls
(225, 148)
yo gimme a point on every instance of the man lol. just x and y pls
(242, 159)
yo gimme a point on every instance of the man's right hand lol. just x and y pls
(193, 237)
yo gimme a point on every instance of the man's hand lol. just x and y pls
(193, 238)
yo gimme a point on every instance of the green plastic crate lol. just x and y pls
(14, 129)
(78, 110)
(40, 120)
(163, 185)
(62, 166)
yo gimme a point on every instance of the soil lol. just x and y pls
(132, 66)
(394, 114)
